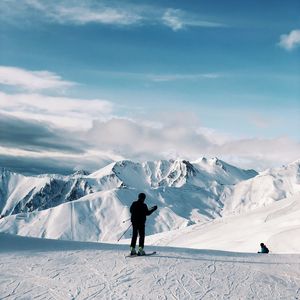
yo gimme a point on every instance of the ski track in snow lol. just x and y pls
(171, 274)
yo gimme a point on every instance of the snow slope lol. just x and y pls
(15, 186)
(268, 187)
(277, 225)
(51, 269)
(92, 207)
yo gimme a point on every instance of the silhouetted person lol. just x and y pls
(139, 211)
(263, 248)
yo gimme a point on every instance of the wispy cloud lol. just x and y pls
(32, 80)
(290, 41)
(68, 12)
(84, 15)
(86, 12)
(105, 12)
(178, 77)
(178, 19)
(161, 77)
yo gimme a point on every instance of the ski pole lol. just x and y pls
(126, 220)
(124, 232)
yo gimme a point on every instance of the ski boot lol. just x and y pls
(132, 251)
(141, 252)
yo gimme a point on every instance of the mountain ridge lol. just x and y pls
(186, 192)
(91, 207)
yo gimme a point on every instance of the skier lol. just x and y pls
(139, 210)
(264, 248)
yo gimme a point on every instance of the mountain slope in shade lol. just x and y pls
(185, 192)
(266, 188)
(28, 193)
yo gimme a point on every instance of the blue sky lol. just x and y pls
(233, 67)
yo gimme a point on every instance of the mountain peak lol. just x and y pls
(6, 171)
(296, 162)
(81, 172)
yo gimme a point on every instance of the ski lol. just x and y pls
(147, 254)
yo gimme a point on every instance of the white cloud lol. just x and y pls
(259, 153)
(64, 112)
(174, 136)
(68, 12)
(84, 12)
(213, 136)
(290, 41)
(178, 19)
(161, 77)
(102, 12)
(84, 15)
(172, 19)
(31, 80)
(93, 130)
(136, 140)
(177, 77)
(260, 121)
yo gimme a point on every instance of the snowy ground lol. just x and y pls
(49, 269)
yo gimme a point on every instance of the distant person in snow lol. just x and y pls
(263, 248)
(139, 211)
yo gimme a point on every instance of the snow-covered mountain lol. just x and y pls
(92, 207)
(20, 193)
(269, 186)
(206, 192)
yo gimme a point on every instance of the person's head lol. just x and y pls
(262, 244)
(141, 197)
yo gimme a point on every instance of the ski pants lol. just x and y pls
(138, 229)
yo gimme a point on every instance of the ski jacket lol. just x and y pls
(139, 211)
(264, 249)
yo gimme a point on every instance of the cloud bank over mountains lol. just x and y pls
(42, 133)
